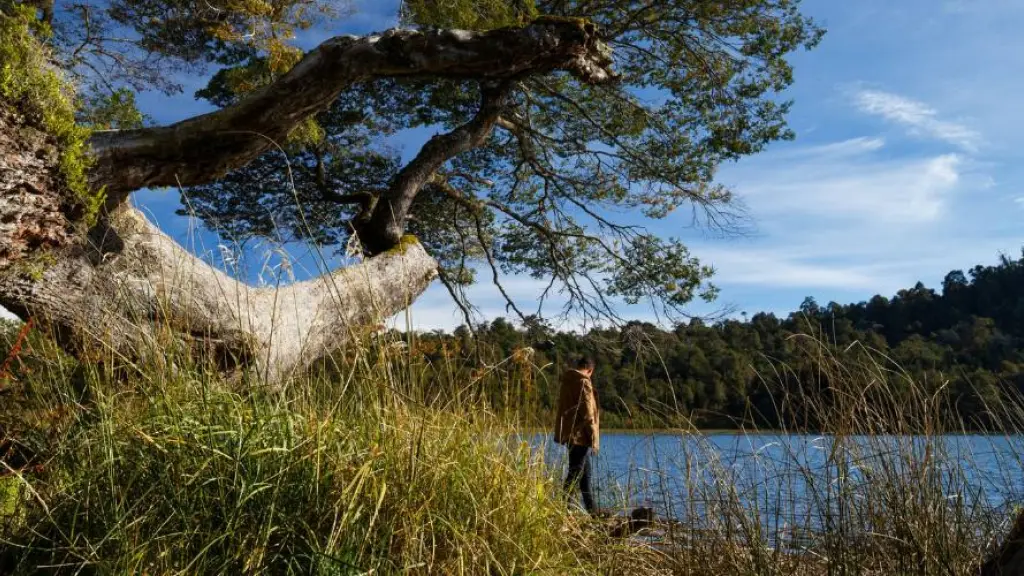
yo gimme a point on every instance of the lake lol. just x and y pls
(775, 480)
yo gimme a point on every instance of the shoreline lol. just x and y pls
(739, 432)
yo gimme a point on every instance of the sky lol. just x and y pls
(906, 163)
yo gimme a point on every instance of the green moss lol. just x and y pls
(407, 241)
(36, 265)
(28, 83)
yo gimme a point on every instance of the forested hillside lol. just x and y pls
(965, 341)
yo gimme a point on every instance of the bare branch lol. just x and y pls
(457, 296)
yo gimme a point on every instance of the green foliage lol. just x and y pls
(468, 14)
(382, 465)
(225, 32)
(116, 110)
(546, 194)
(29, 84)
(965, 344)
(550, 191)
(185, 474)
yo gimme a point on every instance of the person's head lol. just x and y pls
(585, 364)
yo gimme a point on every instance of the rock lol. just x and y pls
(640, 518)
(1008, 559)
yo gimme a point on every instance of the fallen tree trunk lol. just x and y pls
(128, 291)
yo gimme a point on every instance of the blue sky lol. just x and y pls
(906, 163)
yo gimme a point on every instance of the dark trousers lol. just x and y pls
(579, 475)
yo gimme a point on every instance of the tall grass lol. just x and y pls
(384, 463)
(888, 481)
(183, 474)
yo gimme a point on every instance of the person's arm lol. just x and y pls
(589, 409)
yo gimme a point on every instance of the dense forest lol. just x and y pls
(964, 343)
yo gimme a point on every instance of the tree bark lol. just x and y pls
(134, 292)
(32, 214)
(128, 291)
(386, 223)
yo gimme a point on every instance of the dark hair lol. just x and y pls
(585, 363)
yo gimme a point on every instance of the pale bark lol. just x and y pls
(128, 291)
(32, 214)
(136, 292)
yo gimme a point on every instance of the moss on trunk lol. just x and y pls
(29, 85)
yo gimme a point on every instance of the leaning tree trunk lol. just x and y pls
(133, 291)
(129, 290)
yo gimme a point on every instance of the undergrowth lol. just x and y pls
(187, 475)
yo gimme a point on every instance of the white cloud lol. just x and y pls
(5, 314)
(779, 269)
(851, 218)
(840, 217)
(918, 117)
(849, 181)
(970, 7)
(843, 261)
(840, 149)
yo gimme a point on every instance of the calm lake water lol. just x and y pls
(795, 479)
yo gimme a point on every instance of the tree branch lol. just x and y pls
(203, 148)
(387, 222)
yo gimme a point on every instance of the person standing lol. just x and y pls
(577, 423)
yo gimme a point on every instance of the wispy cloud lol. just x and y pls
(919, 118)
(779, 269)
(850, 218)
(962, 7)
(850, 181)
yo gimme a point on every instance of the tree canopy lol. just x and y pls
(544, 192)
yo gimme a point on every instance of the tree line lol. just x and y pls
(963, 344)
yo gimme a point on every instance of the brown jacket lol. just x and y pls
(577, 420)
